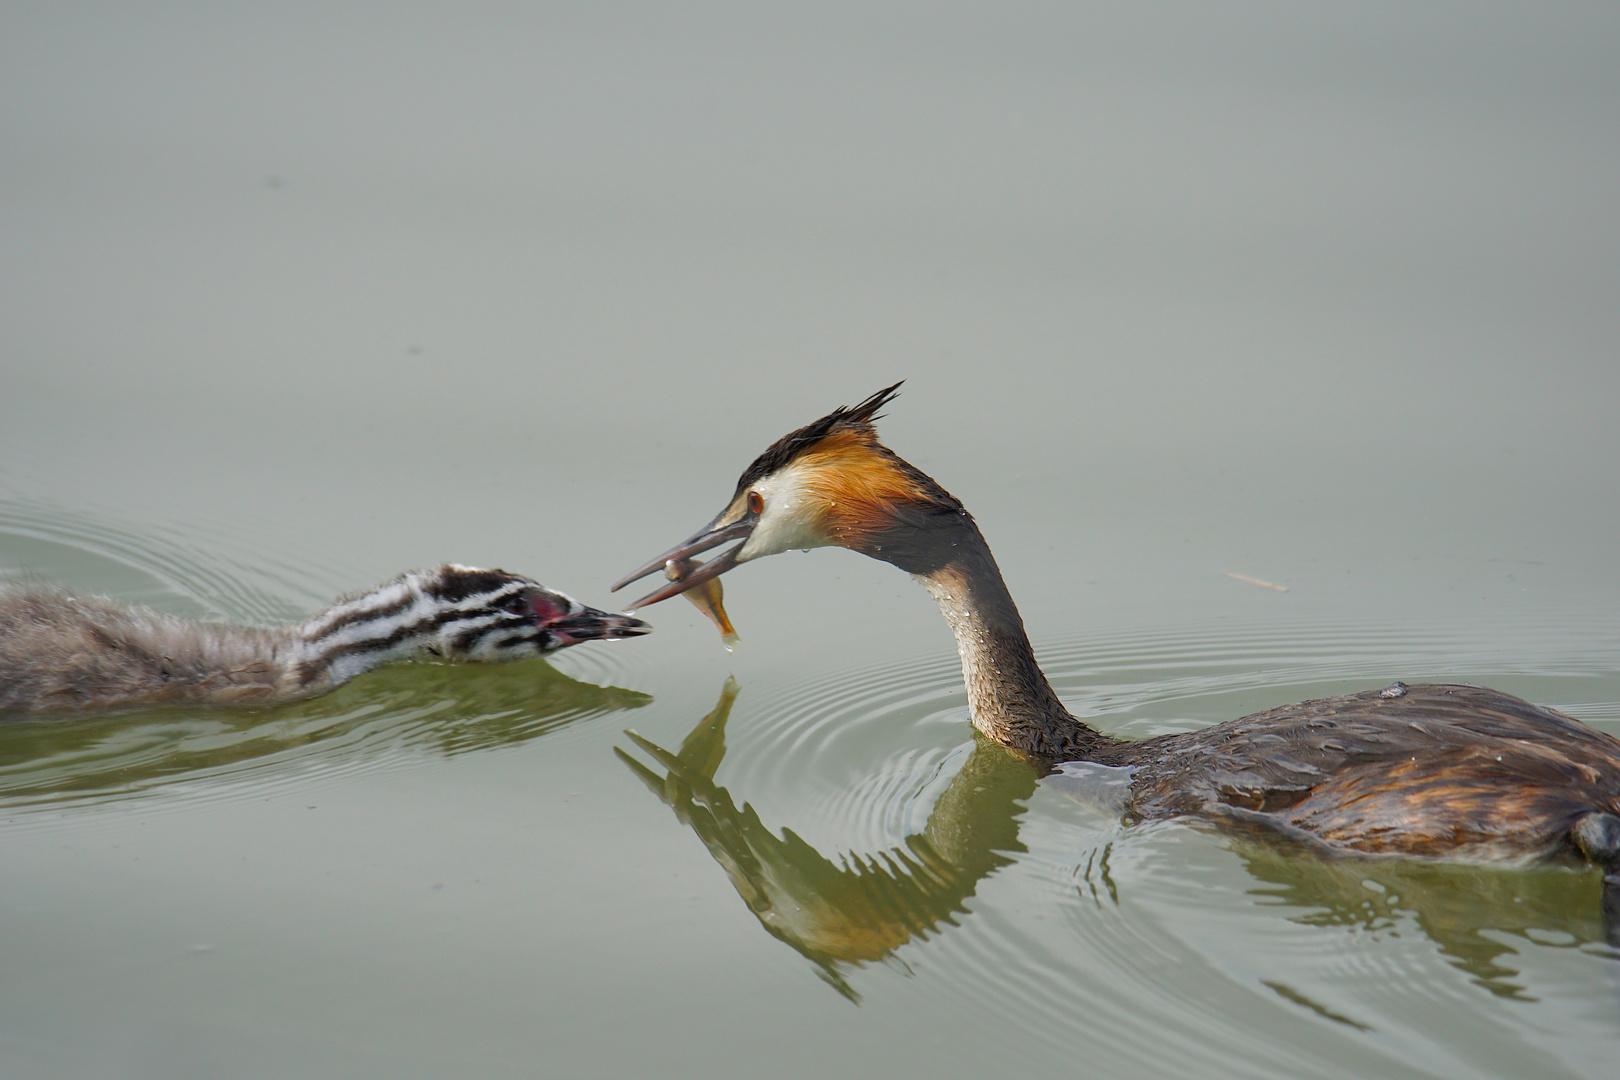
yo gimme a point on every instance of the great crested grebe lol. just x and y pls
(62, 653)
(1425, 770)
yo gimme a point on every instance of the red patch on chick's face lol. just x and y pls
(544, 608)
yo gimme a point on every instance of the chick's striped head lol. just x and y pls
(456, 612)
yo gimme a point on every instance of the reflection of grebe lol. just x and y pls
(1418, 770)
(63, 653)
(856, 908)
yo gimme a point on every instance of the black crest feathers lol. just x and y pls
(794, 443)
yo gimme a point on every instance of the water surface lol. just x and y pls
(297, 298)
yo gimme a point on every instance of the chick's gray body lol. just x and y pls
(65, 653)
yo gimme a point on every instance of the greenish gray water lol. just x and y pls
(297, 297)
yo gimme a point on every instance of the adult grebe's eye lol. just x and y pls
(756, 502)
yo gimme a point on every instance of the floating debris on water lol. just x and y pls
(1256, 581)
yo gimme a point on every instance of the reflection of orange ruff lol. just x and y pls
(856, 483)
(856, 908)
(854, 927)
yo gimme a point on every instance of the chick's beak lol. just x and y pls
(590, 624)
(711, 535)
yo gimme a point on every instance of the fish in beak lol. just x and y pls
(687, 573)
(829, 482)
(709, 598)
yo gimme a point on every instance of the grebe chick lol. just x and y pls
(1455, 771)
(63, 653)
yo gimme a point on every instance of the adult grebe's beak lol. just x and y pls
(722, 529)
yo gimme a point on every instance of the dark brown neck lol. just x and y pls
(1008, 696)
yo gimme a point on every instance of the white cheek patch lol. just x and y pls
(790, 520)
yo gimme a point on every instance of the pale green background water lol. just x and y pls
(295, 297)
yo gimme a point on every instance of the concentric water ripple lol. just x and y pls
(193, 572)
(872, 742)
(1183, 945)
